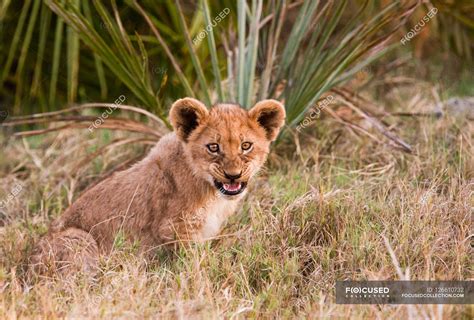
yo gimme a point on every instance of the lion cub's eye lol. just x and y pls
(246, 146)
(213, 147)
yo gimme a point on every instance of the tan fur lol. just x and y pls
(171, 194)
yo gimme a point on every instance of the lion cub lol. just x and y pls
(184, 189)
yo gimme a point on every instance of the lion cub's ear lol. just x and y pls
(270, 114)
(185, 115)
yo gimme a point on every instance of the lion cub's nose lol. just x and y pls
(233, 175)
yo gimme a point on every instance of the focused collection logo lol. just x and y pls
(367, 292)
(405, 292)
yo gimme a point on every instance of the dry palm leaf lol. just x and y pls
(367, 111)
(83, 121)
(153, 130)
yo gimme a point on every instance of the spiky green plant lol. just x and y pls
(321, 51)
(44, 66)
(114, 47)
(295, 51)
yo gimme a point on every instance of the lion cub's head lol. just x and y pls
(226, 145)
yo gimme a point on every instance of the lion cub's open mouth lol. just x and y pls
(230, 189)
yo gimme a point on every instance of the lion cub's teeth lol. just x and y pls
(232, 187)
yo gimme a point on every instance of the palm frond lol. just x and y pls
(116, 51)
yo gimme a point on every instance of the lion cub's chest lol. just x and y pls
(212, 217)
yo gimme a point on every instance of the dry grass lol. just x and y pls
(320, 212)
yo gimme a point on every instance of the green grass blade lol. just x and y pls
(298, 32)
(179, 72)
(58, 39)
(15, 42)
(274, 34)
(252, 51)
(97, 61)
(241, 63)
(304, 78)
(4, 5)
(72, 60)
(3, 9)
(192, 53)
(213, 51)
(45, 22)
(118, 36)
(24, 53)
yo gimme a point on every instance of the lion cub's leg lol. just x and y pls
(64, 253)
